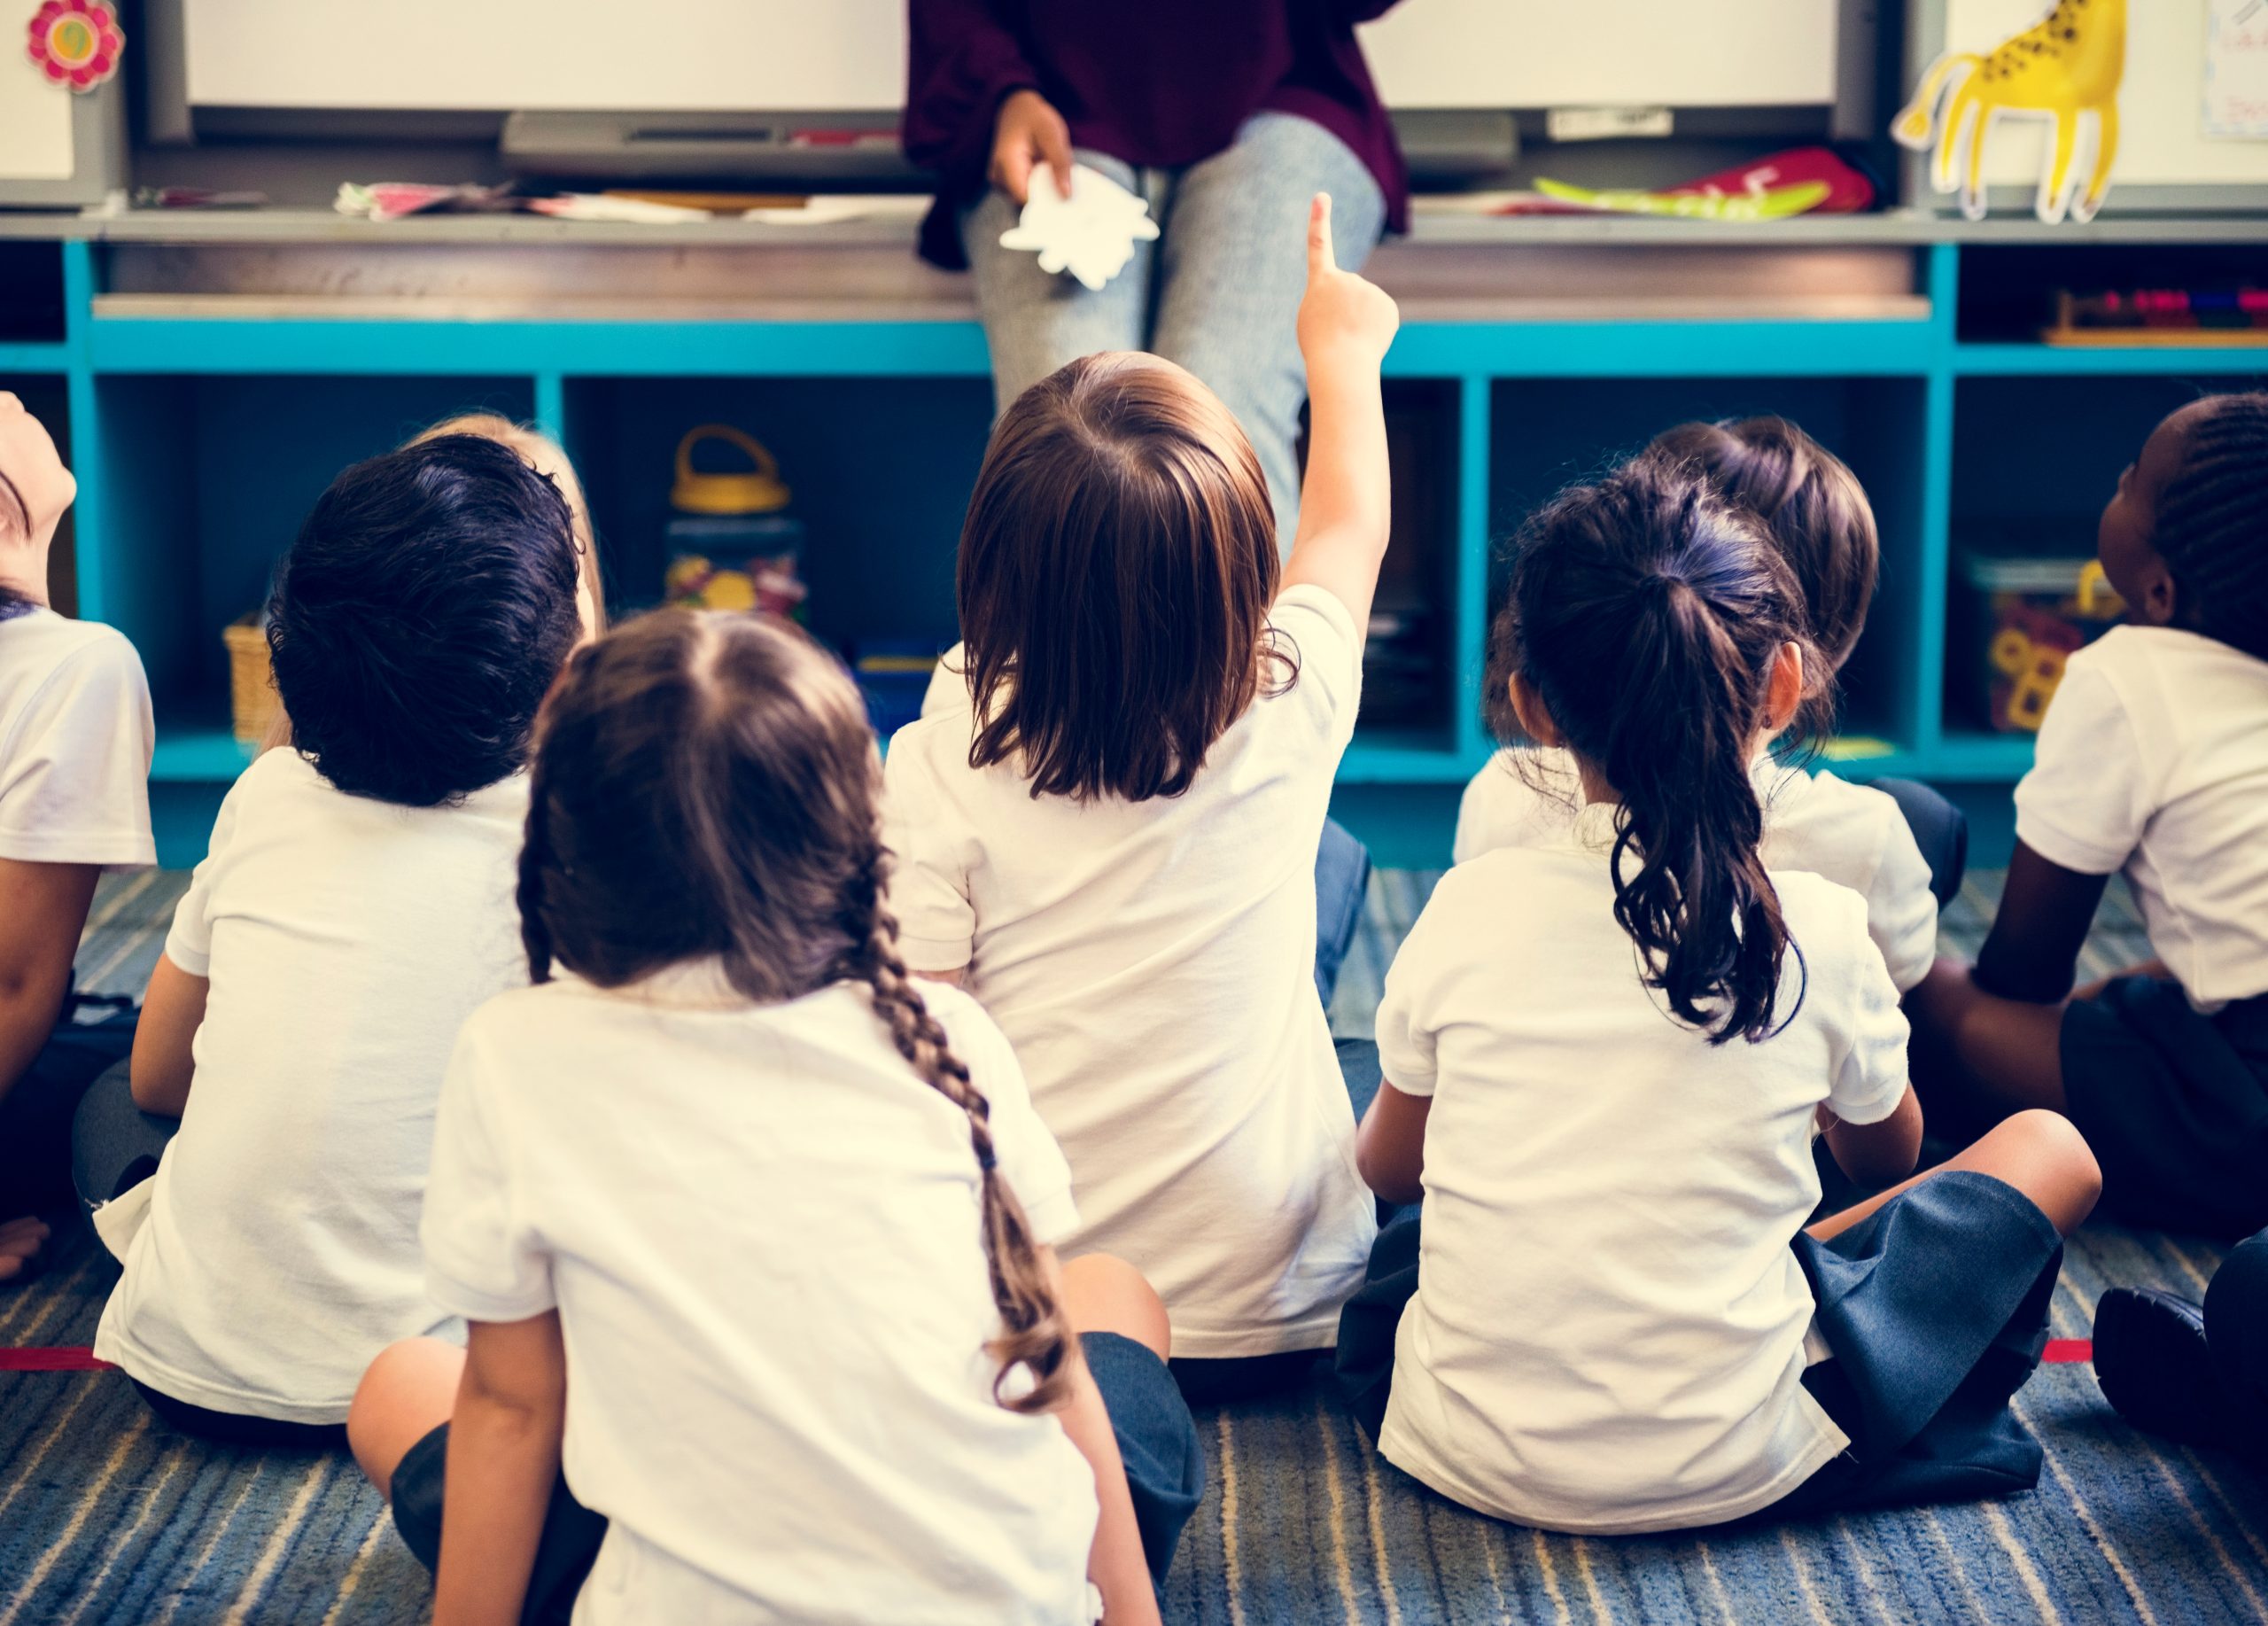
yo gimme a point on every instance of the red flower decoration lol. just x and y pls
(76, 42)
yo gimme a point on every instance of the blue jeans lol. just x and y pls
(1217, 292)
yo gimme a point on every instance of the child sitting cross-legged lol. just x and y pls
(753, 1232)
(2153, 762)
(355, 905)
(1602, 1061)
(1114, 845)
(1899, 845)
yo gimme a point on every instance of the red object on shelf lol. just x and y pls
(75, 42)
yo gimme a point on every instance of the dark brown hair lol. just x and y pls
(1646, 613)
(2208, 527)
(1815, 513)
(1117, 568)
(705, 785)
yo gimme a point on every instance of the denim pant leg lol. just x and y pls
(115, 1144)
(1232, 264)
(1036, 321)
(2236, 1325)
(1940, 829)
(1342, 879)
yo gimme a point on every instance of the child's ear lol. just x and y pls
(2160, 601)
(1783, 693)
(1536, 717)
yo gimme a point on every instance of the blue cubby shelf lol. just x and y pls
(198, 440)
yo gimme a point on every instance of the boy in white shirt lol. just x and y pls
(355, 905)
(1115, 847)
(1899, 845)
(75, 736)
(2153, 762)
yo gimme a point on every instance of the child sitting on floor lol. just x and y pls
(1816, 514)
(1602, 1059)
(1115, 844)
(793, 1216)
(2153, 761)
(355, 905)
(76, 737)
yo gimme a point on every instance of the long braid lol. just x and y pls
(2209, 526)
(1036, 1335)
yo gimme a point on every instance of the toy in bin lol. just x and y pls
(733, 544)
(2033, 616)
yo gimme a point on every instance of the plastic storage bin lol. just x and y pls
(2023, 618)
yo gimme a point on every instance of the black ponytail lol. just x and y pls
(1646, 613)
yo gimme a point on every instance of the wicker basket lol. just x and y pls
(252, 680)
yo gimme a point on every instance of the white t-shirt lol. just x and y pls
(2154, 759)
(345, 940)
(76, 737)
(1852, 835)
(761, 1231)
(1153, 964)
(1609, 1328)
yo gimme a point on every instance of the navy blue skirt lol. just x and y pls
(1935, 1307)
(2174, 1105)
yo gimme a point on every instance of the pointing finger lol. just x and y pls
(1320, 258)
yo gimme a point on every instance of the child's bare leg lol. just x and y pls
(1106, 1294)
(1979, 1057)
(409, 1391)
(2038, 1153)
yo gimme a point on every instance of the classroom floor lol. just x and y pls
(106, 1518)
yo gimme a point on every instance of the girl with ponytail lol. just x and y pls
(1604, 1059)
(790, 1212)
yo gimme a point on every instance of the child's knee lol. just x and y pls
(407, 1393)
(2056, 1168)
(1102, 1294)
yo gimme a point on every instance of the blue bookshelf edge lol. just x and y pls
(1386, 771)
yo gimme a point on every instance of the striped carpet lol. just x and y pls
(105, 1518)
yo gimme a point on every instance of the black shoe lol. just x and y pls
(2154, 1364)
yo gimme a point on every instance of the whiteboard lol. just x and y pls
(2161, 106)
(787, 55)
(34, 124)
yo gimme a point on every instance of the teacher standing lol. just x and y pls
(1227, 115)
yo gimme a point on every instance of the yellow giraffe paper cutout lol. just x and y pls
(2067, 66)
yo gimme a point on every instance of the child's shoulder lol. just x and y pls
(39, 644)
(1825, 919)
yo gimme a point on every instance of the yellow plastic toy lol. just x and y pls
(2066, 67)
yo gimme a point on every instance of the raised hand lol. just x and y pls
(1344, 319)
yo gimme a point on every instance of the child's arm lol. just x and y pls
(163, 1067)
(1346, 325)
(1879, 1154)
(45, 905)
(1390, 1145)
(1117, 1564)
(2032, 954)
(503, 1461)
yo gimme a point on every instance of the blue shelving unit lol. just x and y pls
(198, 441)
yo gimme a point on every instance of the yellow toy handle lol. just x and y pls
(758, 491)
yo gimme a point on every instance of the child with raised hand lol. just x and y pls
(1899, 845)
(1116, 854)
(1602, 1061)
(792, 1215)
(2153, 763)
(355, 905)
(76, 738)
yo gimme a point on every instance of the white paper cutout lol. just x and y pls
(1090, 234)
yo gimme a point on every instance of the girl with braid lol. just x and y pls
(2153, 763)
(753, 1235)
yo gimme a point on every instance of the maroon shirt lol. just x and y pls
(1158, 83)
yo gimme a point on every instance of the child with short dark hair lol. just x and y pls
(1602, 1061)
(355, 905)
(1899, 845)
(2153, 763)
(793, 1214)
(1116, 847)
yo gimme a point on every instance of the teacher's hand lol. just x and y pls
(1029, 133)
